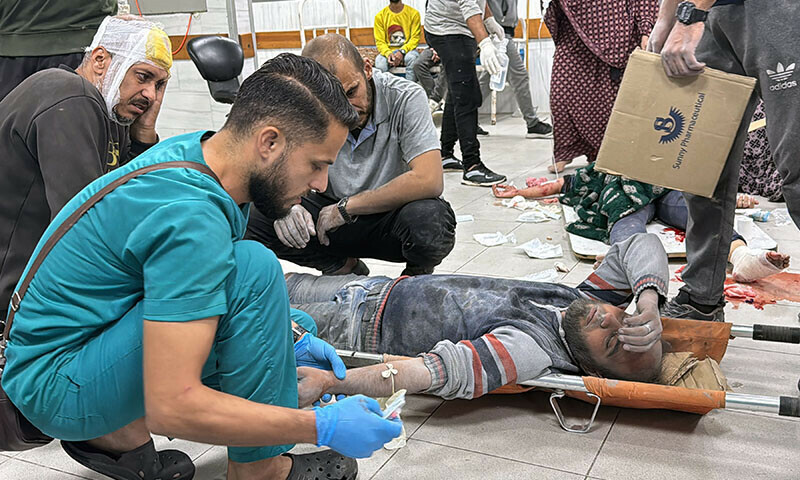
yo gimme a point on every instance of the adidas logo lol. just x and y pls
(781, 76)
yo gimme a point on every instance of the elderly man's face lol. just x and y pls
(599, 329)
(142, 85)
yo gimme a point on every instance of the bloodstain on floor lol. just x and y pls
(770, 290)
(680, 235)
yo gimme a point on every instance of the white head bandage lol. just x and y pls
(129, 40)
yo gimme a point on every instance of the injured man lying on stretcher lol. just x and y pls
(470, 335)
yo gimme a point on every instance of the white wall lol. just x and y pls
(188, 105)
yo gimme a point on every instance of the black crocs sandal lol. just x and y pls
(143, 463)
(322, 465)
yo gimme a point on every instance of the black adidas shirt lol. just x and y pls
(55, 138)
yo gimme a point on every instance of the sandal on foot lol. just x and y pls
(142, 463)
(322, 465)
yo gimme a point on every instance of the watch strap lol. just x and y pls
(341, 205)
(297, 332)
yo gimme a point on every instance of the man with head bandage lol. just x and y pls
(63, 128)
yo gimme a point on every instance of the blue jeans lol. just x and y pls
(382, 64)
(669, 209)
(252, 357)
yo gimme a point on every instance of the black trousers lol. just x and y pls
(420, 233)
(13, 70)
(460, 118)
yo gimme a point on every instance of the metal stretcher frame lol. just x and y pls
(325, 28)
(704, 339)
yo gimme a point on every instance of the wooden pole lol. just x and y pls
(527, 34)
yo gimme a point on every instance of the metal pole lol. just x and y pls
(753, 403)
(744, 331)
(233, 27)
(375, 357)
(253, 33)
(558, 381)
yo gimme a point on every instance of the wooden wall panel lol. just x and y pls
(361, 37)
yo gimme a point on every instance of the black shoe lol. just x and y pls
(482, 131)
(482, 177)
(412, 270)
(540, 130)
(323, 464)
(450, 162)
(674, 309)
(144, 462)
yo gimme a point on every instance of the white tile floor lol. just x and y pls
(511, 437)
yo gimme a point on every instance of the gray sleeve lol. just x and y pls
(417, 131)
(471, 368)
(469, 8)
(631, 266)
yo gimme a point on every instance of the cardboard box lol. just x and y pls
(675, 133)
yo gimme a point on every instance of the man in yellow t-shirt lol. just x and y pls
(397, 31)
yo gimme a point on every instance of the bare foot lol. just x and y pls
(751, 264)
(780, 260)
(270, 468)
(744, 200)
(559, 167)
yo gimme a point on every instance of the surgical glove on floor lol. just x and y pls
(354, 427)
(489, 58)
(310, 351)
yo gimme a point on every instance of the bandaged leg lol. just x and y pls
(750, 264)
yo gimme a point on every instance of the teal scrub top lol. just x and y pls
(164, 238)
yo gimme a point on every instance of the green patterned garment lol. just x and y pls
(600, 200)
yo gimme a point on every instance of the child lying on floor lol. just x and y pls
(611, 209)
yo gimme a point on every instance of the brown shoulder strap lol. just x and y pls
(62, 229)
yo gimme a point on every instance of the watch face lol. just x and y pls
(684, 11)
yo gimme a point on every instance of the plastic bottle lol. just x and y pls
(497, 82)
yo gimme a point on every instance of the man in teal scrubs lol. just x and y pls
(152, 314)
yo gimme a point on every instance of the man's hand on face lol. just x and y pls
(295, 229)
(143, 128)
(329, 220)
(678, 54)
(643, 330)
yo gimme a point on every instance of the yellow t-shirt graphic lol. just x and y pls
(397, 31)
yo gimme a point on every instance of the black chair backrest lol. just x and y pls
(219, 61)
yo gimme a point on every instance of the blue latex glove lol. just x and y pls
(354, 427)
(326, 398)
(310, 351)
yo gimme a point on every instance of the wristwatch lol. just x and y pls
(341, 205)
(297, 332)
(687, 13)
